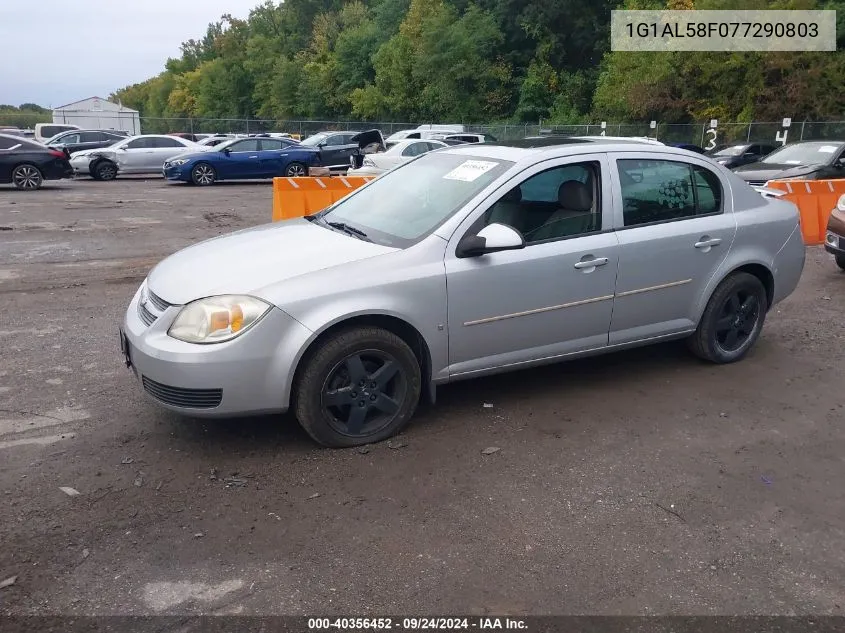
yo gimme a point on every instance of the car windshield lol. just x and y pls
(313, 141)
(733, 150)
(803, 154)
(406, 204)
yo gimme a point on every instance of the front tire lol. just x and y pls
(359, 386)
(104, 170)
(203, 175)
(27, 177)
(840, 261)
(732, 320)
(296, 170)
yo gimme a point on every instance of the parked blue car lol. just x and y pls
(246, 158)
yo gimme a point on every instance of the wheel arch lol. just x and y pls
(758, 269)
(392, 323)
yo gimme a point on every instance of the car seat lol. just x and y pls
(573, 216)
(508, 210)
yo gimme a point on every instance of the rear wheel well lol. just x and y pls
(404, 330)
(764, 275)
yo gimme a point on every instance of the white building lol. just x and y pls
(96, 113)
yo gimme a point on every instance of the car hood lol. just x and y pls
(248, 261)
(771, 171)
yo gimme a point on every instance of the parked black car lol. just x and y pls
(690, 147)
(815, 160)
(368, 142)
(732, 156)
(77, 140)
(336, 148)
(27, 164)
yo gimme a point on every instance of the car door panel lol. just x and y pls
(665, 266)
(519, 306)
(546, 300)
(273, 158)
(242, 162)
(133, 158)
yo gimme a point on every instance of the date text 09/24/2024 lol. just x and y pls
(417, 624)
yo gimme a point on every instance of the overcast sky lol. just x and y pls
(54, 52)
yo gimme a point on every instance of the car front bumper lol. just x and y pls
(80, 165)
(248, 375)
(834, 244)
(834, 241)
(369, 172)
(176, 173)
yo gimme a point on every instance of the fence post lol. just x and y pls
(247, 126)
(802, 131)
(703, 132)
(748, 136)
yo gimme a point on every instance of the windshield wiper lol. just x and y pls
(349, 229)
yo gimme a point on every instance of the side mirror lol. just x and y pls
(227, 151)
(491, 239)
(321, 144)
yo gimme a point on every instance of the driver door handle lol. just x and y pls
(591, 263)
(707, 242)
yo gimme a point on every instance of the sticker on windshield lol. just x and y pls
(470, 170)
(828, 149)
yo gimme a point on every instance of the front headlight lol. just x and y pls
(217, 319)
(368, 162)
(840, 204)
(178, 162)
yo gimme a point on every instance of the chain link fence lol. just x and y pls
(694, 133)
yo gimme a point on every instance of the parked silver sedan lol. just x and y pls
(463, 262)
(143, 154)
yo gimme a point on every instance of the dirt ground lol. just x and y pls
(640, 483)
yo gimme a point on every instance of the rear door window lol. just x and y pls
(655, 191)
(161, 141)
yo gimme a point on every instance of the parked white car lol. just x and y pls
(144, 154)
(400, 152)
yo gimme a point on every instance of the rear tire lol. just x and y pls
(296, 170)
(359, 386)
(27, 177)
(104, 170)
(840, 261)
(203, 175)
(732, 320)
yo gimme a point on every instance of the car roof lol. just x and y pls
(558, 147)
(22, 139)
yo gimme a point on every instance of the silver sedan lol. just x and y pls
(463, 262)
(143, 154)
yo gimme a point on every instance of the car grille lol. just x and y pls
(146, 316)
(180, 397)
(160, 304)
(155, 302)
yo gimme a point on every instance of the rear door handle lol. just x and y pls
(707, 242)
(593, 262)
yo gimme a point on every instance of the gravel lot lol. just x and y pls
(640, 483)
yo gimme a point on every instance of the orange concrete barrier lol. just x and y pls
(297, 197)
(815, 200)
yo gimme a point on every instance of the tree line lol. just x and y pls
(478, 61)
